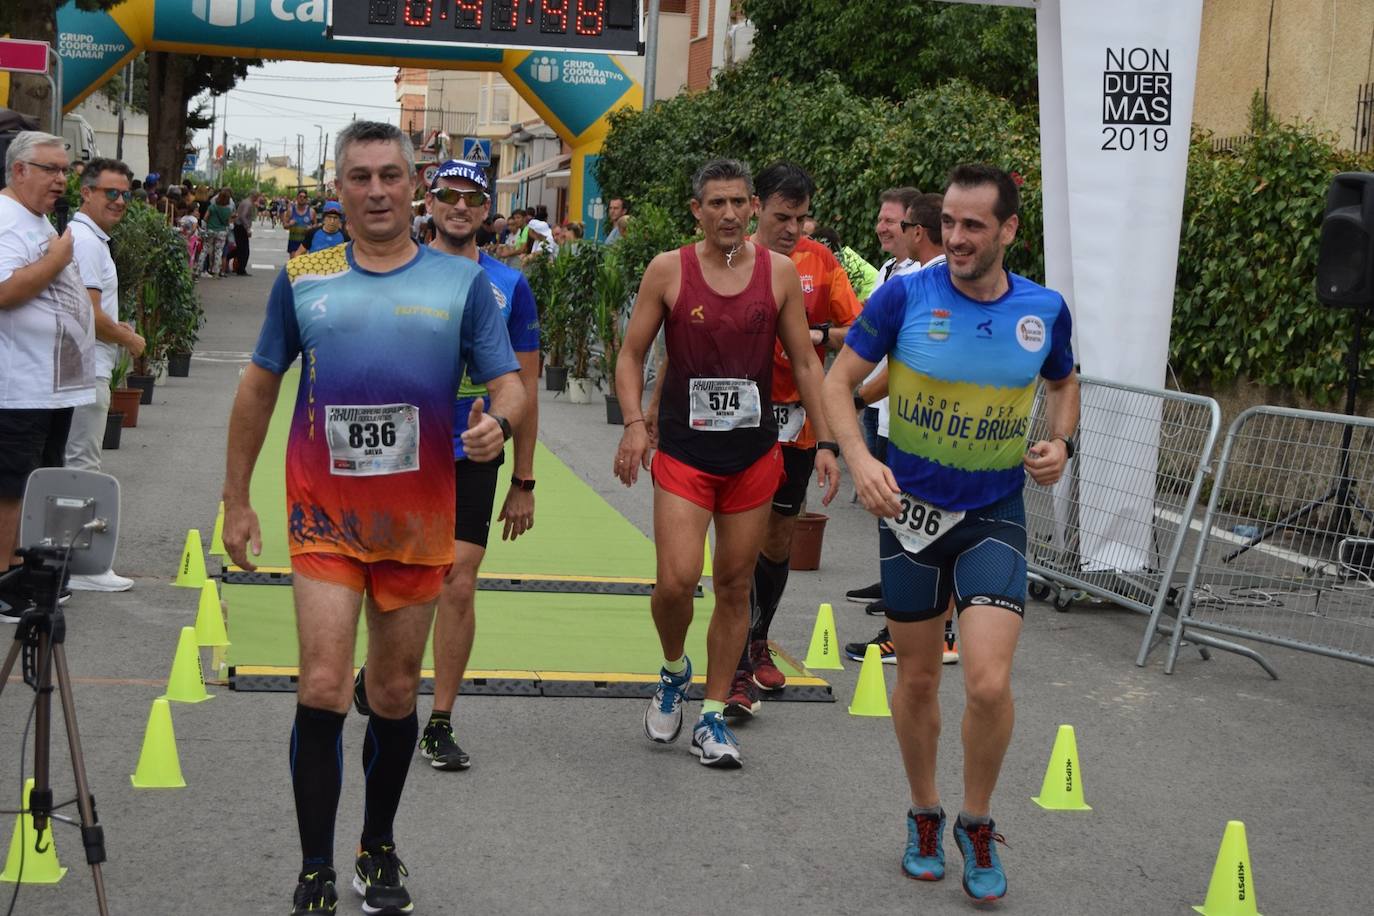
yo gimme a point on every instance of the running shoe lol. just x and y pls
(377, 878)
(924, 858)
(743, 700)
(360, 694)
(766, 674)
(107, 581)
(663, 718)
(714, 743)
(438, 747)
(983, 876)
(877, 608)
(866, 594)
(315, 893)
(951, 656)
(883, 641)
(12, 607)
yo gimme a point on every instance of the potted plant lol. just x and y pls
(156, 290)
(580, 293)
(611, 297)
(546, 279)
(123, 400)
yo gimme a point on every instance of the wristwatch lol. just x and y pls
(825, 333)
(524, 483)
(1068, 443)
(832, 447)
(505, 425)
(859, 402)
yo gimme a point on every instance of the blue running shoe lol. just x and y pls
(714, 743)
(924, 859)
(983, 876)
(663, 718)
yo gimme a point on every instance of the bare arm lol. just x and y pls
(248, 420)
(518, 510)
(876, 389)
(645, 320)
(1045, 460)
(873, 480)
(31, 279)
(111, 331)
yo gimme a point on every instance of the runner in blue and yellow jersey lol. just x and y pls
(966, 344)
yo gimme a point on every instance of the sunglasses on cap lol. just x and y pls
(111, 194)
(451, 196)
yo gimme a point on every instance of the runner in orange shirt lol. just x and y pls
(784, 191)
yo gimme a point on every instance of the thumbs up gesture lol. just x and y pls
(483, 439)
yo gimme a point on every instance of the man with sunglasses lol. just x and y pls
(104, 199)
(459, 202)
(329, 233)
(46, 330)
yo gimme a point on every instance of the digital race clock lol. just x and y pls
(608, 26)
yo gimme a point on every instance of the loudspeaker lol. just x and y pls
(1345, 260)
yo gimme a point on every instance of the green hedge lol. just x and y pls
(1245, 307)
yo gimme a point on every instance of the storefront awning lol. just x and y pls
(539, 170)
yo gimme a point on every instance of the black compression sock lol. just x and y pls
(770, 578)
(316, 779)
(387, 750)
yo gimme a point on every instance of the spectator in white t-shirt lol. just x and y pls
(104, 199)
(46, 329)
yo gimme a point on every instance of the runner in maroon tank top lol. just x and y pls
(724, 301)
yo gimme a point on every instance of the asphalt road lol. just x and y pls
(568, 809)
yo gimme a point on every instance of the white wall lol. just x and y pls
(100, 112)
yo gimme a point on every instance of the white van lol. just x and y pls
(80, 137)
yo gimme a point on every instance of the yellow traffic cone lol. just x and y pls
(158, 764)
(217, 536)
(191, 572)
(1232, 890)
(39, 867)
(187, 681)
(1062, 789)
(824, 654)
(209, 618)
(870, 694)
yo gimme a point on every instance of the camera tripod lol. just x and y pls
(1342, 494)
(40, 639)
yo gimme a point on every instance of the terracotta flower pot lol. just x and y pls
(125, 401)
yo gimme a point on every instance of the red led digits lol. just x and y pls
(553, 16)
(467, 14)
(419, 13)
(591, 17)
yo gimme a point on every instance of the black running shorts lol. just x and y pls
(475, 485)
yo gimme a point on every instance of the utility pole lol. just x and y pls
(325, 160)
(210, 146)
(320, 152)
(225, 144)
(651, 53)
(257, 163)
(300, 155)
(125, 98)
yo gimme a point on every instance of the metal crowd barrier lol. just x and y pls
(1115, 526)
(1288, 552)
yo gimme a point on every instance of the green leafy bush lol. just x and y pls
(854, 147)
(156, 289)
(1245, 305)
